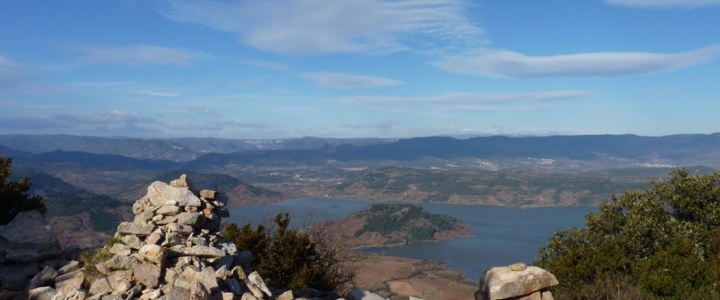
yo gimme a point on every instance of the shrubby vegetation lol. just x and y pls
(13, 194)
(405, 222)
(294, 259)
(659, 243)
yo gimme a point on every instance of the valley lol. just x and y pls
(102, 176)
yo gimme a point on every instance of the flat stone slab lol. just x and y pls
(135, 228)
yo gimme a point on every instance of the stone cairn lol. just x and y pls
(171, 250)
(516, 282)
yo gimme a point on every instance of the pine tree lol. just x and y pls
(13, 194)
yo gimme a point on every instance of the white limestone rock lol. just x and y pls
(159, 192)
(503, 282)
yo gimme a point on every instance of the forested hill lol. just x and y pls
(395, 224)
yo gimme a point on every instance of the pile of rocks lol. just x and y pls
(171, 250)
(516, 282)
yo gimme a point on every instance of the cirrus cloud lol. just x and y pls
(112, 117)
(12, 73)
(473, 98)
(340, 80)
(509, 64)
(312, 27)
(665, 3)
(139, 55)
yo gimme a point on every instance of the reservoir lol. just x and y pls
(503, 235)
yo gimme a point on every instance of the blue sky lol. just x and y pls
(359, 68)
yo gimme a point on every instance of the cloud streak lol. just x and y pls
(509, 64)
(204, 111)
(139, 55)
(161, 94)
(265, 64)
(473, 99)
(245, 124)
(340, 80)
(12, 73)
(664, 3)
(112, 117)
(313, 27)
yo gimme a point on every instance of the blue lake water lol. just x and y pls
(504, 235)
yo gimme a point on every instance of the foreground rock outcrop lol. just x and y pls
(516, 282)
(27, 246)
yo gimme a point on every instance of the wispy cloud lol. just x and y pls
(12, 73)
(476, 100)
(310, 27)
(139, 55)
(665, 3)
(509, 64)
(157, 93)
(112, 117)
(204, 111)
(245, 124)
(15, 124)
(340, 80)
(266, 64)
(380, 126)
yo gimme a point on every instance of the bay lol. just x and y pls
(503, 235)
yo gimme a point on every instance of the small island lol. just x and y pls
(395, 225)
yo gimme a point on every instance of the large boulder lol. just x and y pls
(28, 238)
(515, 282)
(159, 191)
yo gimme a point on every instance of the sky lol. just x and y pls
(359, 68)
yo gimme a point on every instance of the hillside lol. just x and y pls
(78, 216)
(489, 187)
(395, 224)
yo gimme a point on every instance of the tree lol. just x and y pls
(663, 241)
(292, 258)
(13, 194)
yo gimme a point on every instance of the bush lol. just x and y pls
(13, 194)
(294, 259)
(662, 242)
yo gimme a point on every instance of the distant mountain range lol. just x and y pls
(174, 149)
(204, 153)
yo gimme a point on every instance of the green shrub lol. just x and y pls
(294, 259)
(13, 194)
(89, 258)
(663, 242)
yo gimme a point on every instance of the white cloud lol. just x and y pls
(509, 64)
(473, 99)
(340, 80)
(665, 3)
(12, 73)
(311, 27)
(140, 55)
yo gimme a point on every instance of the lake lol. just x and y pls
(504, 235)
